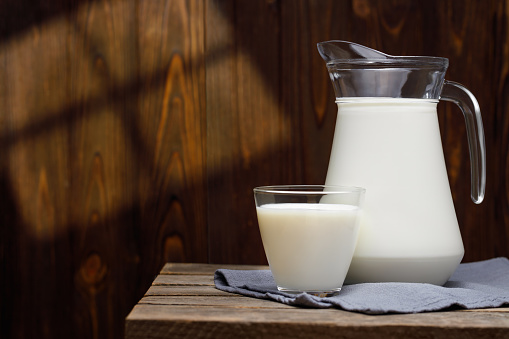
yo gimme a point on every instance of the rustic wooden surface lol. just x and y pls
(132, 133)
(183, 302)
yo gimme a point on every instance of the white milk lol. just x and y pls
(308, 246)
(392, 148)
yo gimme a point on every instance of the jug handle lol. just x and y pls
(461, 96)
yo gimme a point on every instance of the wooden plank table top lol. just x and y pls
(184, 303)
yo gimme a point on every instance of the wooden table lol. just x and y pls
(183, 302)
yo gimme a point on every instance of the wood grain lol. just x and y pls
(132, 134)
(170, 126)
(35, 259)
(242, 104)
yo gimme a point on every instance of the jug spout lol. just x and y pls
(344, 50)
(359, 71)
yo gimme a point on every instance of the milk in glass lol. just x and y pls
(308, 246)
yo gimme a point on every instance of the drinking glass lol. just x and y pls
(309, 233)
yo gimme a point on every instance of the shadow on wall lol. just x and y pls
(68, 241)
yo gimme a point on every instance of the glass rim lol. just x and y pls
(308, 189)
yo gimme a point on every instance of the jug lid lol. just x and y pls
(359, 71)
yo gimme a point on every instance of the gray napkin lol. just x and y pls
(474, 285)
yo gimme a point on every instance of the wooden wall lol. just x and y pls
(133, 131)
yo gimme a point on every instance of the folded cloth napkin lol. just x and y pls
(474, 285)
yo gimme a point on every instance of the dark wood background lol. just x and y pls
(132, 133)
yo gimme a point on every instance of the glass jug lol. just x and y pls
(387, 140)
